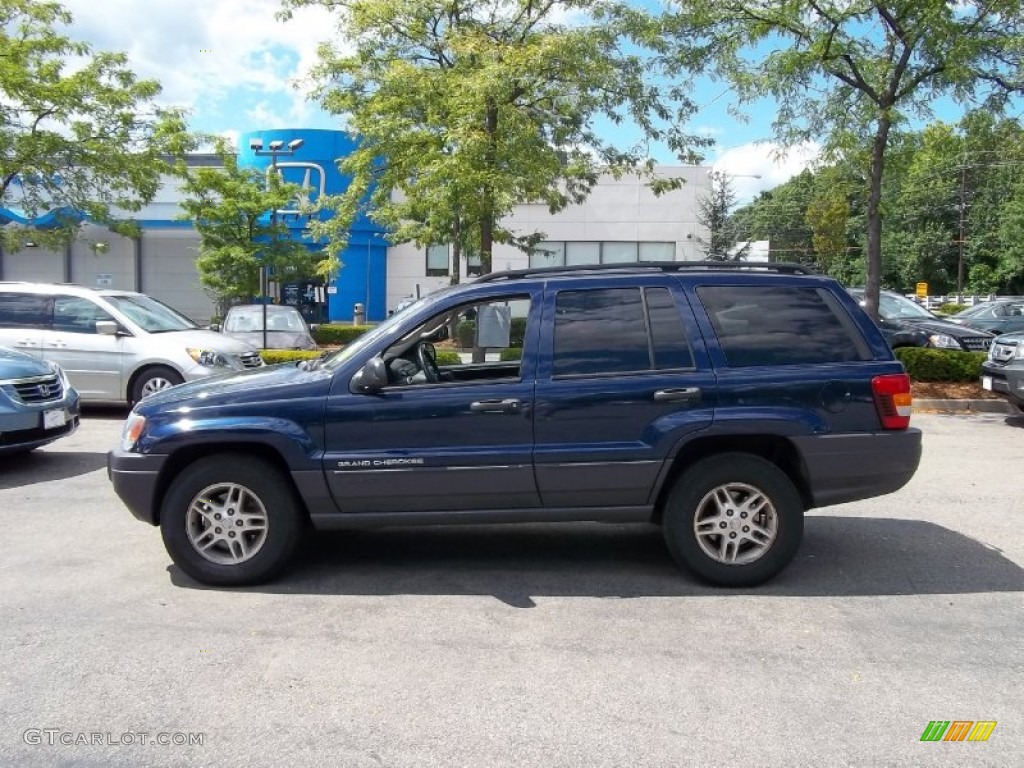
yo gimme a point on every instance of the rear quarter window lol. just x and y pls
(781, 325)
(24, 310)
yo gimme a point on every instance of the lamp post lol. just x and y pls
(273, 150)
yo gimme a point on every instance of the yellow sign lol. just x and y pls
(922, 290)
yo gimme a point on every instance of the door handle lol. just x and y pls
(684, 395)
(495, 406)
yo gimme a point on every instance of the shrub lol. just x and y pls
(950, 309)
(274, 356)
(335, 335)
(448, 357)
(924, 364)
(512, 353)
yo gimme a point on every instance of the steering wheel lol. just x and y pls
(427, 358)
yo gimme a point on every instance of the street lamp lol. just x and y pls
(274, 148)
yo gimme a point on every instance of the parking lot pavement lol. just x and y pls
(573, 645)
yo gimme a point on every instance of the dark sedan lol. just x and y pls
(37, 404)
(998, 316)
(905, 323)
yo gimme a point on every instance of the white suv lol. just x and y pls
(116, 346)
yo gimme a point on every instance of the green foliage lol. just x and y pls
(924, 364)
(78, 130)
(713, 213)
(275, 356)
(229, 207)
(512, 353)
(468, 107)
(852, 75)
(448, 357)
(335, 335)
(950, 308)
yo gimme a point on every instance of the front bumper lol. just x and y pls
(850, 467)
(1005, 380)
(23, 429)
(135, 478)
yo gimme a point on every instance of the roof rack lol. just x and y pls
(781, 267)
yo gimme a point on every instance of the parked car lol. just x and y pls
(37, 403)
(905, 323)
(718, 401)
(997, 316)
(115, 346)
(1003, 371)
(286, 328)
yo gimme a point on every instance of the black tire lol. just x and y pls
(202, 491)
(738, 478)
(153, 380)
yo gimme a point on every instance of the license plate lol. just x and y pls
(53, 419)
(986, 383)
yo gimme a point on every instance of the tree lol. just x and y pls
(89, 142)
(713, 212)
(854, 71)
(466, 108)
(230, 207)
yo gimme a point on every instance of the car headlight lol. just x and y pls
(211, 358)
(942, 341)
(1020, 349)
(61, 375)
(133, 428)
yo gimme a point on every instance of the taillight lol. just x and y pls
(893, 400)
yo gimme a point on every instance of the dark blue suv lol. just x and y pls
(719, 401)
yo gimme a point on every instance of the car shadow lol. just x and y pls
(1016, 420)
(41, 466)
(93, 411)
(839, 556)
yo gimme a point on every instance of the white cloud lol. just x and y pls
(772, 163)
(204, 53)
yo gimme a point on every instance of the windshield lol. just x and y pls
(151, 315)
(891, 307)
(247, 319)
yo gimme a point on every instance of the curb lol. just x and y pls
(964, 406)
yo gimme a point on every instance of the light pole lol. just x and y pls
(274, 148)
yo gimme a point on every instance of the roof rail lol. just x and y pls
(781, 267)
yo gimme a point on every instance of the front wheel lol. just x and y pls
(153, 380)
(230, 520)
(735, 520)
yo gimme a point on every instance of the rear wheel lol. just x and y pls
(734, 520)
(230, 520)
(154, 380)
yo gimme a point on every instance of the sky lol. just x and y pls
(238, 69)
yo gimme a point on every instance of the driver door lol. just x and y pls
(462, 443)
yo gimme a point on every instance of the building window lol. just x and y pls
(582, 253)
(547, 255)
(474, 265)
(618, 253)
(437, 260)
(657, 251)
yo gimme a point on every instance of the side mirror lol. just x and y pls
(106, 328)
(371, 378)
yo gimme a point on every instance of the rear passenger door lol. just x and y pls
(623, 378)
(23, 316)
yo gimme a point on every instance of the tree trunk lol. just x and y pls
(487, 194)
(873, 283)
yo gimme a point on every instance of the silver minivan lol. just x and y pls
(115, 346)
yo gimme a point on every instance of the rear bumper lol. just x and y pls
(843, 468)
(134, 477)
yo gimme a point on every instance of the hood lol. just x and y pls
(275, 339)
(1015, 337)
(205, 339)
(240, 387)
(19, 365)
(939, 326)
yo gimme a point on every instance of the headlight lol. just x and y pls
(134, 426)
(1020, 349)
(209, 357)
(61, 375)
(942, 341)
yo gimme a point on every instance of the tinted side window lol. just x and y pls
(76, 315)
(23, 310)
(758, 325)
(600, 331)
(671, 349)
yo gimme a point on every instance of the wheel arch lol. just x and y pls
(134, 376)
(186, 456)
(773, 448)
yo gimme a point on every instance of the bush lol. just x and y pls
(925, 364)
(448, 357)
(512, 353)
(950, 308)
(335, 335)
(274, 356)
